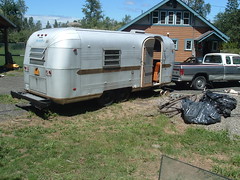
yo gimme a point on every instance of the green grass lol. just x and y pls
(106, 144)
(7, 99)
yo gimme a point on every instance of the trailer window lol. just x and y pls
(37, 56)
(112, 58)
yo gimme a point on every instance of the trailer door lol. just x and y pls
(147, 62)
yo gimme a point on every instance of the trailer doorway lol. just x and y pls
(151, 67)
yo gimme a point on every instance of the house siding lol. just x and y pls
(175, 32)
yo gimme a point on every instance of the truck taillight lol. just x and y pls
(26, 68)
(181, 72)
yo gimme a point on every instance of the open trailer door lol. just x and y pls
(167, 59)
(147, 62)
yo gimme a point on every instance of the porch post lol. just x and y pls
(5, 39)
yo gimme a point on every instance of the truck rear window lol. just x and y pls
(213, 59)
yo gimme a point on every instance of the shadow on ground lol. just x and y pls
(209, 86)
(81, 107)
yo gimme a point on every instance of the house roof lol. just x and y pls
(5, 23)
(220, 34)
(207, 35)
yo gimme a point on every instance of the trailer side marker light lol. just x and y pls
(74, 89)
(74, 50)
(48, 72)
(26, 68)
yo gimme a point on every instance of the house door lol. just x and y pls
(147, 62)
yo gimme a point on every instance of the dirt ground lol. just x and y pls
(15, 81)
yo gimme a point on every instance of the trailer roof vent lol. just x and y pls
(137, 31)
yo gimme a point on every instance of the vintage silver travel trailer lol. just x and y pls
(66, 65)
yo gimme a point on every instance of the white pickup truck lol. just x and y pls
(214, 67)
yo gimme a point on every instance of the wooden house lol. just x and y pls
(192, 34)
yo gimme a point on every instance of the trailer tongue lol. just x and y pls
(37, 101)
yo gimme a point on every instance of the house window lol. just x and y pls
(155, 17)
(214, 46)
(186, 18)
(175, 41)
(170, 17)
(188, 45)
(112, 58)
(163, 17)
(178, 17)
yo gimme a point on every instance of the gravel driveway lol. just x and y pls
(11, 82)
(14, 81)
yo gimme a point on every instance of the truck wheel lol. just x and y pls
(199, 83)
(107, 98)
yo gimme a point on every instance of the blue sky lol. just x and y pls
(62, 10)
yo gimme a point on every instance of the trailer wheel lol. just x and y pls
(199, 83)
(107, 98)
(123, 94)
(181, 85)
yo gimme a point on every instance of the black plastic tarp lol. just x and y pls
(209, 108)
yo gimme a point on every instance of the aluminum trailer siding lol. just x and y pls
(68, 65)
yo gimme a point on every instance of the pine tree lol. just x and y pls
(48, 26)
(55, 25)
(93, 14)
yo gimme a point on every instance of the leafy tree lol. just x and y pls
(64, 24)
(38, 25)
(31, 23)
(126, 19)
(232, 6)
(25, 24)
(199, 6)
(14, 11)
(93, 14)
(228, 22)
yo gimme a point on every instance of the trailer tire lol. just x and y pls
(107, 98)
(181, 85)
(199, 83)
(123, 94)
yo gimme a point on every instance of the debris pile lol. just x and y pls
(208, 110)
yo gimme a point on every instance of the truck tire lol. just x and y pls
(107, 98)
(199, 83)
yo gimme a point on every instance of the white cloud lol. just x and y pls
(130, 2)
(51, 19)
